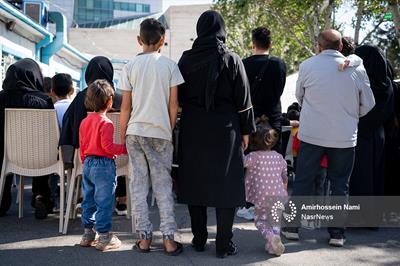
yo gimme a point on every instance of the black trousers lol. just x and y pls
(120, 191)
(198, 217)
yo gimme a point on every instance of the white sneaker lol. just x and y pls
(290, 234)
(337, 242)
(247, 214)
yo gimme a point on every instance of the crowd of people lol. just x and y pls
(230, 148)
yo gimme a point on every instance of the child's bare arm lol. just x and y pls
(173, 106)
(126, 108)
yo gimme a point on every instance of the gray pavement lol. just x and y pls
(28, 241)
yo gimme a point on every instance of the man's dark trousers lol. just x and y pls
(340, 166)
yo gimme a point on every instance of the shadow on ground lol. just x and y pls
(28, 241)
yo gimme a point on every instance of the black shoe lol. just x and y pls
(41, 207)
(198, 248)
(232, 250)
(121, 209)
(6, 202)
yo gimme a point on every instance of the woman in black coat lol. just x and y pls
(99, 67)
(23, 88)
(217, 117)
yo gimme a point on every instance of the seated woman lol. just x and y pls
(99, 67)
(23, 88)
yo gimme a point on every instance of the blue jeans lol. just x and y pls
(98, 186)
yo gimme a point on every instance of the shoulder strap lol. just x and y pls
(255, 85)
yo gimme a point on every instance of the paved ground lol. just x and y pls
(28, 241)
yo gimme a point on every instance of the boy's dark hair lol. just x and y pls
(294, 106)
(151, 31)
(261, 37)
(62, 84)
(293, 111)
(265, 137)
(98, 94)
(293, 115)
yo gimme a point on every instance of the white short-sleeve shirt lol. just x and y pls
(149, 77)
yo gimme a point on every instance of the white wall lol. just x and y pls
(16, 42)
(182, 22)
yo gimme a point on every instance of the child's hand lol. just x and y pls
(245, 142)
(344, 65)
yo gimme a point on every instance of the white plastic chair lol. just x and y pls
(31, 149)
(122, 166)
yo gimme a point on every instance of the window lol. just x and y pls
(132, 7)
(89, 4)
(146, 8)
(139, 8)
(124, 6)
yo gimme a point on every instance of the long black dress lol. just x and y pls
(216, 112)
(23, 88)
(367, 178)
(392, 143)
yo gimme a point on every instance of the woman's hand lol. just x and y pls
(245, 142)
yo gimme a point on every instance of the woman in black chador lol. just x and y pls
(23, 88)
(367, 178)
(217, 117)
(99, 67)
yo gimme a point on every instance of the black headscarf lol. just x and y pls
(209, 48)
(24, 76)
(99, 67)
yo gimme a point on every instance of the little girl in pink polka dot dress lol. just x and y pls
(266, 183)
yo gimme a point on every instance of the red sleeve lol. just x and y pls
(107, 140)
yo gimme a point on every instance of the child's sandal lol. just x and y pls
(176, 252)
(139, 249)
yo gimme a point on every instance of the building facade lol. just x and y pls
(22, 37)
(85, 13)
